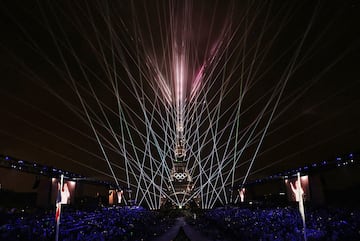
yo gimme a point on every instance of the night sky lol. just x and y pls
(42, 118)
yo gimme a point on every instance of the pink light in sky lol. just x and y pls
(197, 82)
(160, 79)
(180, 85)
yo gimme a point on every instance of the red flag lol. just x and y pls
(58, 200)
(58, 204)
(58, 207)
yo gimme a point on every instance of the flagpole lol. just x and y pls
(301, 206)
(58, 209)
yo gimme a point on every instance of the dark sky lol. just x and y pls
(42, 118)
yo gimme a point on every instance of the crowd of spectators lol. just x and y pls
(106, 223)
(285, 223)
(225, 223)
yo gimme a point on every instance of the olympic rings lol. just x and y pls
(180, 176)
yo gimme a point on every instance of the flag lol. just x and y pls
(301, 205)
(58, 207)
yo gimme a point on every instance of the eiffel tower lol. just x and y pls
(180, 175)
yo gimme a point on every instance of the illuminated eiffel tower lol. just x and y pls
(180, 176)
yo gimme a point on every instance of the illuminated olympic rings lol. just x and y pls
(180, 176)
